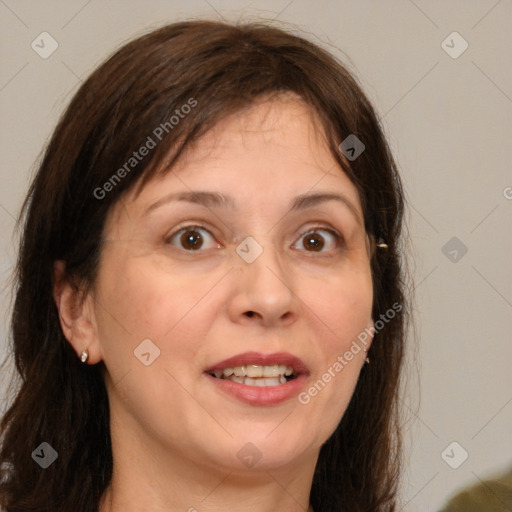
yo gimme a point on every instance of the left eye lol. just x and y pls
(316, 240)
(193, 238)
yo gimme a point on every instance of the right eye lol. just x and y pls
(193, 238)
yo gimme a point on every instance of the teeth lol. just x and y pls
(239, 371)
(271, 371)
(253, 370)
(259, 382)
(256, 375)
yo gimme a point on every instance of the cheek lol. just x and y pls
(341, 307)
(138, 301)
(338, 314)
(175, 312)
(149, 302)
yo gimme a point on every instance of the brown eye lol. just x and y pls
(320, 240)
(313, 242)
(193, 238)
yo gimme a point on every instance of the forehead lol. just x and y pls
(272, 149)
(281, 122)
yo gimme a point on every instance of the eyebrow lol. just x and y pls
(218, 200)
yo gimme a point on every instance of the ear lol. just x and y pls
(76, 314)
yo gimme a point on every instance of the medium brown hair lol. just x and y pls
(224, 68)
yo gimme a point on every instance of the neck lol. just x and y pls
(149, 477)
(265, 493)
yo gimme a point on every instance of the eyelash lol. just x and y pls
(338, 239)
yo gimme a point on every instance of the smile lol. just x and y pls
(257, 375)
(259, 379)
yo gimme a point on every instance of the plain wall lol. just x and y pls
(449, 123)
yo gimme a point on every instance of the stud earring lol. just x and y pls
(84, 355)
(367, 359)
(381, 244)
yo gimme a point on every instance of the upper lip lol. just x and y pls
(262, 359)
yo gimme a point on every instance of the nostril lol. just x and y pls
(250, 314)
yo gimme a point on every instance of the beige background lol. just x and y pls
(449, 123)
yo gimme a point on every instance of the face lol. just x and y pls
(254, 242)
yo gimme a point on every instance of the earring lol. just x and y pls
(381, 244)
(84, 355)
(367, 359)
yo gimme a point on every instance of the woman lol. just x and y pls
(210, 247)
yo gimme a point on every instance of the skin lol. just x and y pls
(175, 435)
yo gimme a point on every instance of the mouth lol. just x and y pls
(257, 375)
(259, 370)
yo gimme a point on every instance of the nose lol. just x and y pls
(262, 292)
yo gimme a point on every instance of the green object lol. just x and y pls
(491, 495)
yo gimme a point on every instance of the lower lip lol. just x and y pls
(255, 395)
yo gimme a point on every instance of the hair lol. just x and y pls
(217, 69)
